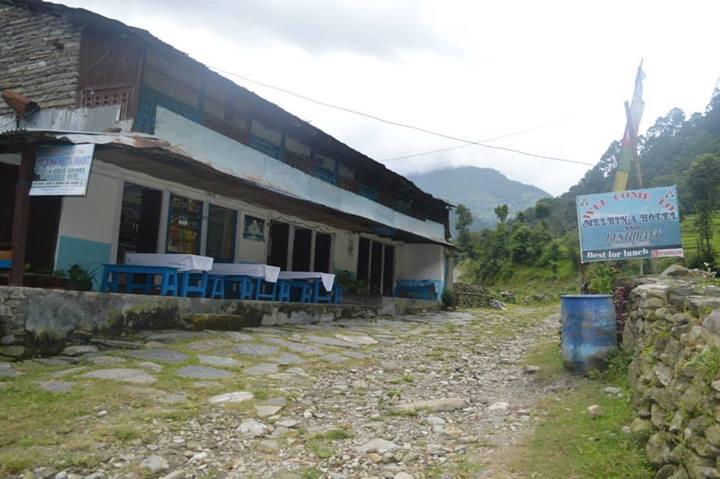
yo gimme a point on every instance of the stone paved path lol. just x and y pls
(424, 396)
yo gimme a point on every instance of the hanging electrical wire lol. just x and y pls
(397, 123)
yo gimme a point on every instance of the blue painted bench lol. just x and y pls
(231, 286)
(295, 289)
(169, 284)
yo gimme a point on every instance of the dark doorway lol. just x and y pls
(323, 247)
(376, 262)
(43, 221)
(363, 272)
(302, 245)
(278, 244)
(139, 220)
(8, 180)
(388, 270)
(42, 232)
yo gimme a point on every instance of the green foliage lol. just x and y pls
(80, 278)
(707, 363)
(704, 185)
(601, 278)
(462, 226)
(348, 280)
(449, 299)
(501, 211)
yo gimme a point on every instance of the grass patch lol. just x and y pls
(461, 467)
(321, 444)
(568, 443)
(310, 473)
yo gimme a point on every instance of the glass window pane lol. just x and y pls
(184, 222)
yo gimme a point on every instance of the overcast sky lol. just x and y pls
(469, 69)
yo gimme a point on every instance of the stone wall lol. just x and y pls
(673, 333)
(35, 321)
(39, 57)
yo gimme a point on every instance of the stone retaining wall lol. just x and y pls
(673, 333)
(36, 321)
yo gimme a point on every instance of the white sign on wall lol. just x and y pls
(62, 170)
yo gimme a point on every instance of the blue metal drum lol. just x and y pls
(588, 331)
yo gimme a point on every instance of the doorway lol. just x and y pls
(323, 249)
(278, 244)
(43, 222)
(302, 246)
(376, 264)
(388, 275)
(139, 220)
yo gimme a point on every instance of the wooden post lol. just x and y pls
(21, 216)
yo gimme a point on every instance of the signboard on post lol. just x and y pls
(629, 224)
(62, 170)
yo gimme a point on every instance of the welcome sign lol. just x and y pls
(629, 224)
(62, 170)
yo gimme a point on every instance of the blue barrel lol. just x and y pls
(588, 331)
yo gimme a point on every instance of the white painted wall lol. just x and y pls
(422, 261)
(345, 251)
(92, 217)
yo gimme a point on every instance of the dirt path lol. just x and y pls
(434, 395)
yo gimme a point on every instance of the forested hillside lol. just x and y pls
(676, 149)
(665, 152)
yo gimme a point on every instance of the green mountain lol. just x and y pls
(480, 189)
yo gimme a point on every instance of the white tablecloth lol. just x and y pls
(326, 278)
(268, 273)
(183, 262)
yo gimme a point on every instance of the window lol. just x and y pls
(139, 220)
(222, 224)
(184, 223)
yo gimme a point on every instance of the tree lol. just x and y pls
(501, 211)
(704, 185)
(542, 211)
(462, 226)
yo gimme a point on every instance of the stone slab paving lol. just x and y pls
(261, 369)
(219, 361)
(384, 397)
(202, 372)
(127, 375)
(160, 354)
(254, 349)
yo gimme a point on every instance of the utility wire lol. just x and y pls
(466, 145)
(396, 123)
